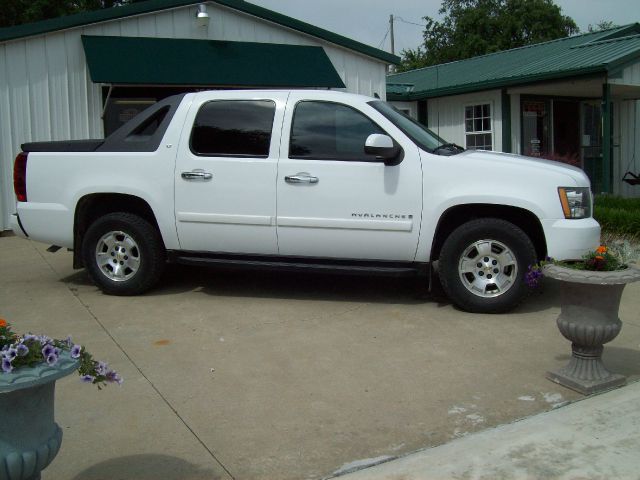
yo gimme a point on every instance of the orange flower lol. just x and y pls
(3, 323)
(600, 257)
(601, 249)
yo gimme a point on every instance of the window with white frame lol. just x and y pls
(477, 127)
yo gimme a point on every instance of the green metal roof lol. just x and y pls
(171, 61)
(585, 54)
(138, 8)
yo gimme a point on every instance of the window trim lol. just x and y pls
(311, 100)
(232, 155)
(480, 132)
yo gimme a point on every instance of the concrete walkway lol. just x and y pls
(597, 438)
(264, 376)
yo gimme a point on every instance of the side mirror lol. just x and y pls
(384, 148)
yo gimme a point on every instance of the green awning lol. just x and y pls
(169, 61)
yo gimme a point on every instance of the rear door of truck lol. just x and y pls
(225, 179)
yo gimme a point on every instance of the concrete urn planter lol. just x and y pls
(29, 436)
(589, 319)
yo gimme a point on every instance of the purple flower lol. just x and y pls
(52, 359)
(101, 368)
(22, 350)
(44, 340)
(75, 351)
(29, 337)
(534, 276)
(87, 378)
(6, 365)
(68, 342)
(48, 350)
(113, 376)
(10, 353)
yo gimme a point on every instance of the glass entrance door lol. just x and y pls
(535, 127)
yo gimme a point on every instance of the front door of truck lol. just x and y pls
(226, 170)
(335, 201)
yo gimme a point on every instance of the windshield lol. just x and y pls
(421, 135)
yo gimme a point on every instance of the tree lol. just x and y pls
(17, 12)
(601, 25)
(476, 27)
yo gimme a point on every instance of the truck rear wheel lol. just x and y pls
(483, 263)
(123, 254)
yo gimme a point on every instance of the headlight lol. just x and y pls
(576, 201)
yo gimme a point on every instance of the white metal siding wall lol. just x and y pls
(626, 145)
(629, 75)
(411, 106)
(515, 123)
(46, 92)
(446, 116)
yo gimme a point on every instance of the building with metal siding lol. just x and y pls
(573, 99)
(47, 91)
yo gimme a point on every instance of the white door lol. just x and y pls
(225, 180)
(334, 201)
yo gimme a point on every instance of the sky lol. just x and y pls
(368, 20)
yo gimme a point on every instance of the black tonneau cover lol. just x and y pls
(63, 146)
(125, 138)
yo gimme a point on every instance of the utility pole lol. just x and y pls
(393, 41)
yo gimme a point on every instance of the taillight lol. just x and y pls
(20, 176)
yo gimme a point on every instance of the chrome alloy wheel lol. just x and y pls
(117, 256)
(488, 268)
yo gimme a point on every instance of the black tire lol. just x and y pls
(466, 273)
(128, 272)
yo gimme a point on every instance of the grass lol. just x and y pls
(620, 221)
(618, 216)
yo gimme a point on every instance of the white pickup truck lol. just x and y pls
(311, 180)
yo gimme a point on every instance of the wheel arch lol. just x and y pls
(457, 215)
(94, 205)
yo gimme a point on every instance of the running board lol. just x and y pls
(357, 267)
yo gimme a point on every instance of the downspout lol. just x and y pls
(606, 180)
(506, 121)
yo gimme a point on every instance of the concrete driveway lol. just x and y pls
(262, 375)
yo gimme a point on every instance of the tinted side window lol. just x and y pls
(233, 128)
(330, 131)
(146, 129)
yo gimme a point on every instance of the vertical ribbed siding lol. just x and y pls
(446, 116)
(626, 146)
(6, 191)
(630, 75)
(46, 92)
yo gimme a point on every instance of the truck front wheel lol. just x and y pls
(483, 263)
(123, 254)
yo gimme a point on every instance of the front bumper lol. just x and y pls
(16, 226)
(571, 239)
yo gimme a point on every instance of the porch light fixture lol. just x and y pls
(202, 17)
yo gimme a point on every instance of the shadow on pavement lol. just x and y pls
(146, 467)
(226, 282)
(286, 285)
(624, 361)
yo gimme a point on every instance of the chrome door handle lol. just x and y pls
(300, 178)
(197, 174)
